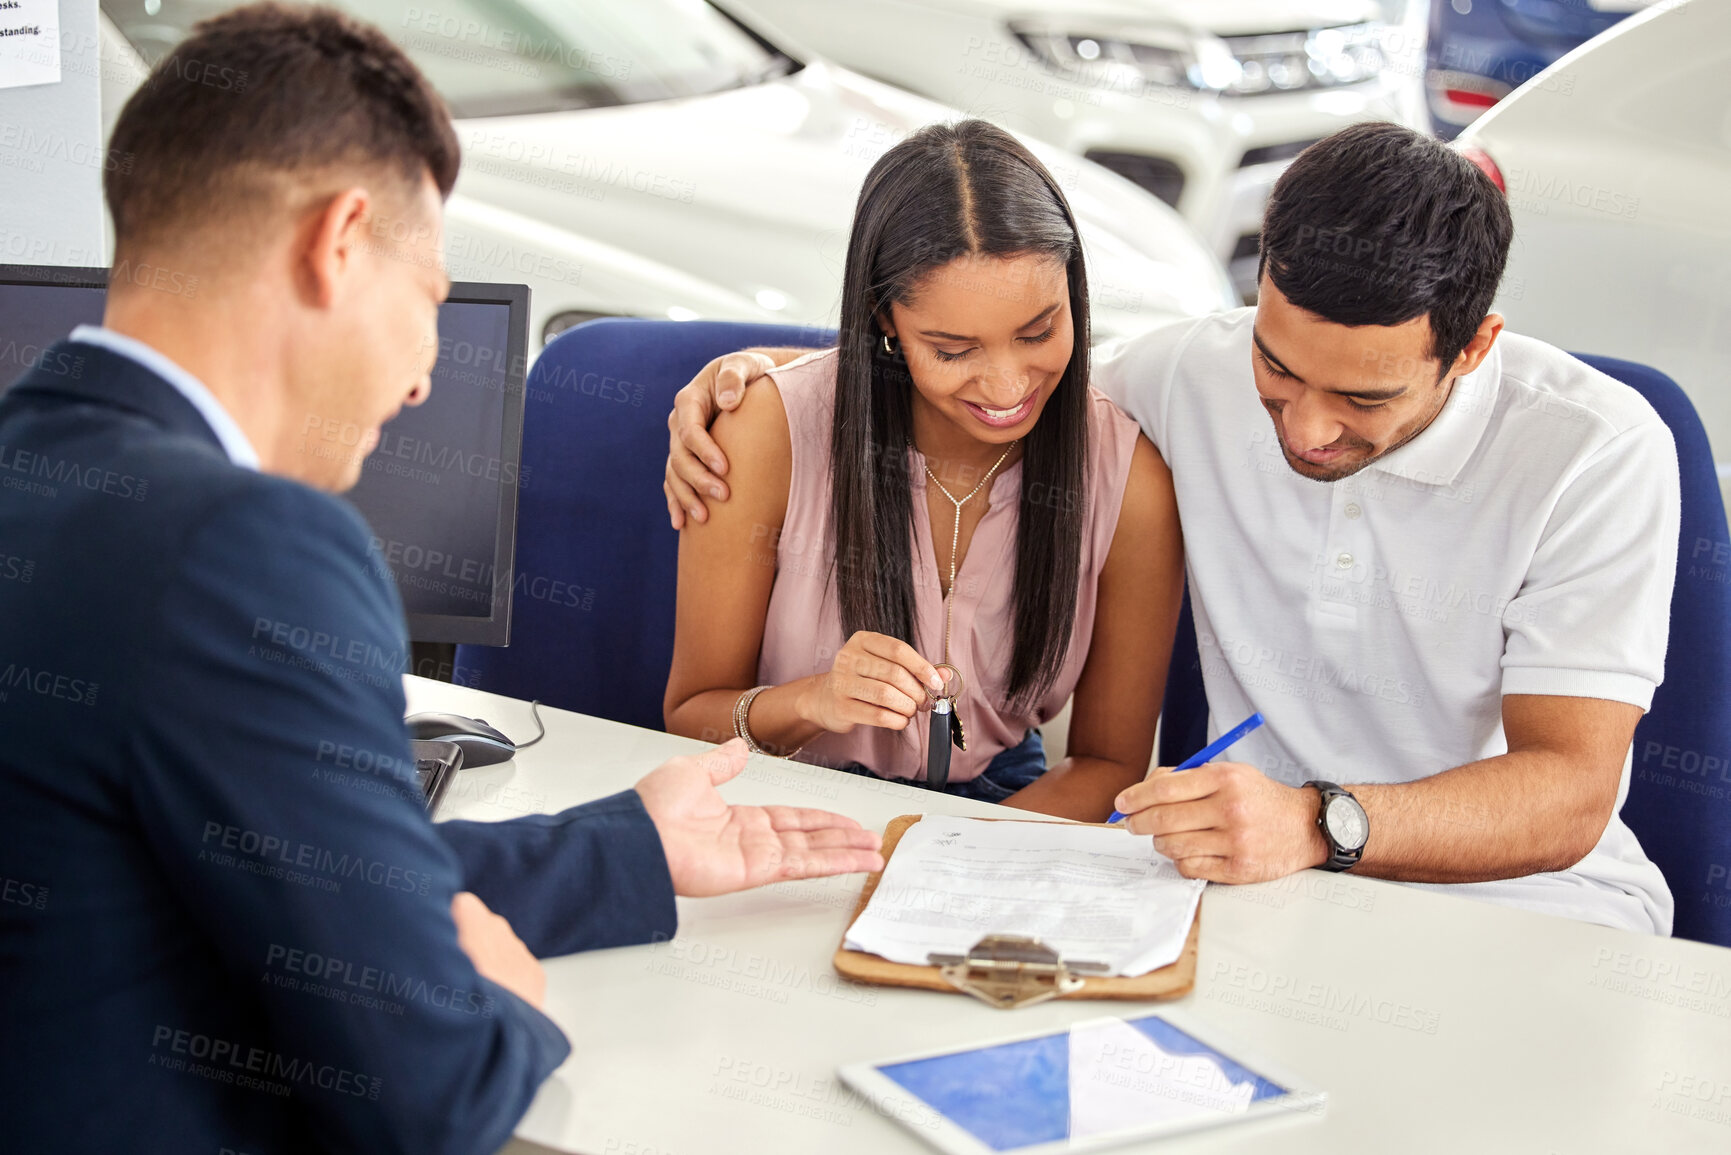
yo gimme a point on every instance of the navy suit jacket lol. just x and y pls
(224, 917)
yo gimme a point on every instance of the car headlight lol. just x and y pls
(1129, 58)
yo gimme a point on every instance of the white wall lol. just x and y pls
(52, 156)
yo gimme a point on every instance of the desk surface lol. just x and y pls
(1434, 1023)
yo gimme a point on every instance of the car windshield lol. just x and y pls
(511, 57)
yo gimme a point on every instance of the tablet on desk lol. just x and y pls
(1099, 1084)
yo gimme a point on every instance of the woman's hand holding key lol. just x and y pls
(876, 680)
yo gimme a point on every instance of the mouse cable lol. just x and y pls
(535, 711)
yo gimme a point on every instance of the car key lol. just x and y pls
(938, 745)
(945, 730)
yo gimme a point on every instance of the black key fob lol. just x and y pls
(938, 745)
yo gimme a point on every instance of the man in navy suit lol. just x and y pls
(207, 944)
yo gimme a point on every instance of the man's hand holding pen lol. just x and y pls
(1226, 822)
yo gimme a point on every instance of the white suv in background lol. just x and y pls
(1201, 102)
(658, 158)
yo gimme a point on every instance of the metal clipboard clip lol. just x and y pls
(1011, 970)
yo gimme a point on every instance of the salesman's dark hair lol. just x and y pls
(960, 190)
(258, 99)
(1378, 224)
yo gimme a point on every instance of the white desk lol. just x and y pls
(1435, 1024)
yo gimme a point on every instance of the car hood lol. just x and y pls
(751, 192)
(1226, 17)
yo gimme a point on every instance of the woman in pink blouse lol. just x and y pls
(942, 487)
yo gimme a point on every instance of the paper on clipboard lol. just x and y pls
(1092, 893)
(29, 42)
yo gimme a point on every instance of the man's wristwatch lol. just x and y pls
(1344, 826)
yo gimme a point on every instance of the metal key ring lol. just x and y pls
(941, 667)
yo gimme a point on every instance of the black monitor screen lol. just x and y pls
(433, 490)
(33, 317)
(439, 491)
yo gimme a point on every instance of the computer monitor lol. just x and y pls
(439, 491)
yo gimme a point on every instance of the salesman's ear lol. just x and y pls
(332, 241)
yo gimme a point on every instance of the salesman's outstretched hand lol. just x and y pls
(714, 848)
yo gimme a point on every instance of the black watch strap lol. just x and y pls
(1339, 857)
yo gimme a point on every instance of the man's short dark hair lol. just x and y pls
(1378, 224)
(258, 98)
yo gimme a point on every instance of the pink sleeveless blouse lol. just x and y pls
(803, 630)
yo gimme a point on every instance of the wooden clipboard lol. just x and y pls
(1169, 982)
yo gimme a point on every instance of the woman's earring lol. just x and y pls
(889, 345)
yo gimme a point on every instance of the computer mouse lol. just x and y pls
(481, 744)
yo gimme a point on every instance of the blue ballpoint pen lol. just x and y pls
(1209, 752)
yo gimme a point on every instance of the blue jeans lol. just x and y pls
(1007, 772)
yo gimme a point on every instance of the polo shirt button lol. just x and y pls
(1344, 561)
(1352, 511)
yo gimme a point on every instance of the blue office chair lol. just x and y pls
(1679, 802)
(1184, 712)
(593, 591)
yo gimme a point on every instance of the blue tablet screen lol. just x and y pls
(1093, 1079)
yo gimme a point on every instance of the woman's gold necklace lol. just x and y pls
(956, 537)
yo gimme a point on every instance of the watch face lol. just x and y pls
(1347, 824)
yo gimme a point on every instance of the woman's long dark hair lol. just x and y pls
(949, 191)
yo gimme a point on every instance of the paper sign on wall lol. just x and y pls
(29, 42)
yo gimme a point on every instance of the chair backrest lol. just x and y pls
(1679, 802)
(1184, 712)
(593, 585)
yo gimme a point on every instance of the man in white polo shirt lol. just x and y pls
(1436, 557)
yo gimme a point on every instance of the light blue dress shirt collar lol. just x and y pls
(228, 432)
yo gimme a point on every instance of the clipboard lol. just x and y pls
(1013, 976)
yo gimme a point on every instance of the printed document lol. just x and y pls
(1091, 893)
(29, 42)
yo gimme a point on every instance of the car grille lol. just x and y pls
(1267, 153)
(1158, 175)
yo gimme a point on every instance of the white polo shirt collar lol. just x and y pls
(1442, 449)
